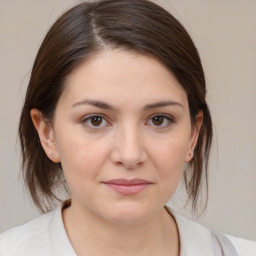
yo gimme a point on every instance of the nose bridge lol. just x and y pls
(129, 148)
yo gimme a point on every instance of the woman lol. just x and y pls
(114, 110)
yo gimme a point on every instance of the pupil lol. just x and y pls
(158, 120)
(96, 120)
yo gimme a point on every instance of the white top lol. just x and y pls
(46, 236)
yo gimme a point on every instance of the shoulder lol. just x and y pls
(28, 238)
(244, 247)
(198, 240)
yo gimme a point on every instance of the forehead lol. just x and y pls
(122, 76)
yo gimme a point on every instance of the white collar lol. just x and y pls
(61, 245)
(195, 239)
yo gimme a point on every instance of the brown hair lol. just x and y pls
(85, 30)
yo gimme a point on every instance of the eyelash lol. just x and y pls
(170, 120)
(88, 118)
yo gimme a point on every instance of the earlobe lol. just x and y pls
(189, 156)
(194, 136)
(46, 134)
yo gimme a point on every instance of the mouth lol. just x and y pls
(128, 187)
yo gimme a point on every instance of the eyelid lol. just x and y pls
(167, 116)
(88, 117)
(170, 119)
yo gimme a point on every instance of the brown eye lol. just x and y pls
(158, 120)
(161, 121)
(96, 120)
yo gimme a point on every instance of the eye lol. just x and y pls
(161, 121)
(95, 121)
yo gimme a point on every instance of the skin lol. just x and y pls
(126, 141)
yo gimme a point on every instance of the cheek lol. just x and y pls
(169, 159)
(81, 159)
(170, 154)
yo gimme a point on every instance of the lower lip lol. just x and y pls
(131, 189)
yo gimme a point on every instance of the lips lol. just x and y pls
(128, 187)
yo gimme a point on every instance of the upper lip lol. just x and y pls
(127, 181)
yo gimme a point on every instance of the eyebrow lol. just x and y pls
(162, 104)
(104, 105)
(96, 103)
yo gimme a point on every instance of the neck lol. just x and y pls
(90, 234)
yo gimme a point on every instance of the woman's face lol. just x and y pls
(123, 133)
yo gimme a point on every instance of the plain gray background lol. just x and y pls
(225, 34)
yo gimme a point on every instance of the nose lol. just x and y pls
(128, 148)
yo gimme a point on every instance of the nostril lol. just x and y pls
(129, 164)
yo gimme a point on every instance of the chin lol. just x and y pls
(131, 213)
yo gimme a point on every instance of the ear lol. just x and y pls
(46, 135)
(194, 136)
